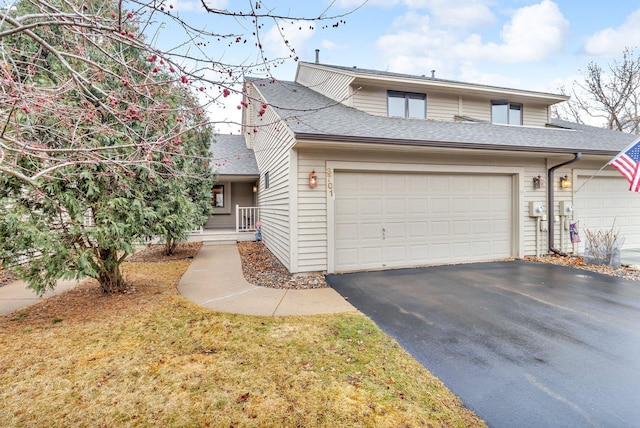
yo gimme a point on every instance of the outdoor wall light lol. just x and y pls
(537, 182)
(565, 182)
(313, 179)
(255, 188)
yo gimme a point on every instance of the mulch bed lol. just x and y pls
(155, 253)
(262, 268)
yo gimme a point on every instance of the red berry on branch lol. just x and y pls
(226, 92)
(129, 15)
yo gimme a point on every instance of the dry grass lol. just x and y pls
(151, 358)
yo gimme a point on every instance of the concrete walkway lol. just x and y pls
(15, 295)
(215, 280)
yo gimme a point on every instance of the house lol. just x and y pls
(361, 169)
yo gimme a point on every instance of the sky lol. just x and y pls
(536, 45)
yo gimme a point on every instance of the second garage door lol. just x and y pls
(605, 202)
(387, 220)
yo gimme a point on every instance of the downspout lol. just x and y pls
(550, 202)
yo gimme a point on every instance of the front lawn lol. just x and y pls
(152, 358)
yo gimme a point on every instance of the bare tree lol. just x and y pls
(609, 97)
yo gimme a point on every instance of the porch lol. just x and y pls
(246, 219)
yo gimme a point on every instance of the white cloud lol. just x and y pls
(467, 14)
(420, 43)
(419, 48)
(533, 34)
(611, 41)
(215, 4)
(296, 33)
(351, 4)
(326, 44)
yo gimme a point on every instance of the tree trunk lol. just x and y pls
(170, 245)
(110, 277)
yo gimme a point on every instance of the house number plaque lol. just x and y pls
(329, 182)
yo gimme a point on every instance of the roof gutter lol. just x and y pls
(444, 144)
(550, 202)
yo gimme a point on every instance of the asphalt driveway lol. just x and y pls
(523, 344)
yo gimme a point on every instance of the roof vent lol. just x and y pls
(317, 56)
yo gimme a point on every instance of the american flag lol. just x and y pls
(627, 163)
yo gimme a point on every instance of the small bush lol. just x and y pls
(603, 247)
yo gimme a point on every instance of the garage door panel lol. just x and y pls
(418, 206)
(371, 255)
(461, 228)
(481, 206)
(604, 202)
(481, 227)
(395, 206)
(395, 230)
(395, 254)
(461, 206)
(347, 232)
(427, 218)
(369, 231)
(440, 228)
(419, 229)
(347, 207)
(349, 257)
(370, 206)
(439, 205)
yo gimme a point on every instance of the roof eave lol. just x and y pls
(447, 144)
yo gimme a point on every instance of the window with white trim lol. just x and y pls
(506, 113)
(407, 104)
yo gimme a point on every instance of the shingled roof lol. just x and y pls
(313, 116)
(232, 157)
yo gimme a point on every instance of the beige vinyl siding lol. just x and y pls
(371, 100)
(534, 168)
(312, 216)
(477, 108)
(329, 83)
(442, 106)
(272, 145)
(535, 115)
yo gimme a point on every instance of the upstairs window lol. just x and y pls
(407, 104)
(506, 113)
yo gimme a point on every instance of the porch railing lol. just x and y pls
(246, 218)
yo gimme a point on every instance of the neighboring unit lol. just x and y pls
(361, 169)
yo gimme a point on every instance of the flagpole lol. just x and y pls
(594, 174)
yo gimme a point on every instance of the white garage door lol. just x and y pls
(385, 220)
(605, 201)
